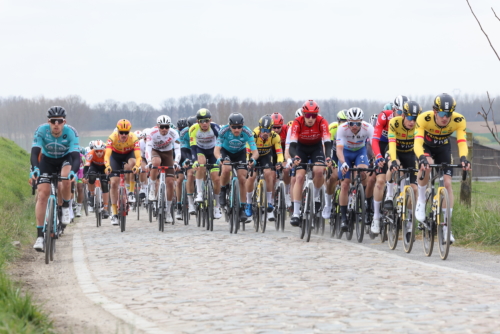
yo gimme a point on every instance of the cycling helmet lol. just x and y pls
(444, 102)
(191, 120)
(82, 150)
(236, 118)
(124, 125)
(99, 145)
(355, 114)
(373, 119)
(388, 106)
(266, 122)
(277, 118)
(91, 144)
(146, 131)
(412, 108)
(56, 112)
(163, 120)
(399, 102)
(341, 116)
(203, 113)
(310, 107)
(87, 150)
(298, 113)
(139, 134)
(182, 123)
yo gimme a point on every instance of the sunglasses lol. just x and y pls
(399, 112)
(354, 123)
(445, 114)
(204, 120)
(411, 118)
(277, 127)
(265, 130)
(310, 115)
(236, 127)
(56, 120)
(164, 127)
(124, 133)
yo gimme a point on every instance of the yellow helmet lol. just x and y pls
(124, 125)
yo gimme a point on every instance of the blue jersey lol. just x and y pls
(234, 144)
(184, 137)
(53, 147)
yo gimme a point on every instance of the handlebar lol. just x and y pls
(443, 166)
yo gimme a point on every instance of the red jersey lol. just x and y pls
(284, 129)
(381, 131)
(309, 135)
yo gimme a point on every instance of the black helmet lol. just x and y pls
(236, 118)
(182, 123)
(56, 112)
(444, 102)
(203, 113)
(191, 120)
(412, 108)
(266, 122)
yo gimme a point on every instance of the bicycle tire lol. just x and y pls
(85, 200)
(336, 213)
(408, 218)
(235, 201)
(263, 206)
(303, 206)
(137, 203)
(210, 205)
(185, 204)
(319, 215)
(360, 213)
(283, 207)
(255, 206)
(428, 229)
(199, 217)
(393, 226)
(161, 208)
(97, 205)
(150, 211)
(309, 215)
(122, 198)
(49, 221)
(277, 203)
(443, 204)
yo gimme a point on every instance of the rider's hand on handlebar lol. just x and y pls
(251, 162)
(107, 170)
(394, 166)
(422, 162)
(296, 160)
(344, 168)
(465, 163)
(329, 162)
(35, 173)
(380, 161)
(136, 169)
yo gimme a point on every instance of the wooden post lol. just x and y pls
(466, 186)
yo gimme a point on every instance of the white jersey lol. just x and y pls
(155, 141)
(142, 143)
(288, 140)
(351, 141)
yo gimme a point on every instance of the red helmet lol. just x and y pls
(310, 107)
(277, 118)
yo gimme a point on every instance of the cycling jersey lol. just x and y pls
(56, 147)
(381, 130)
(156, 141)
(400, 138)
(203, 139)
(428, 132)
(142, 144)
(115, 145)
(265, 147)
(283, 134)
(234, 144)
(184, 138)
(351, 141)
(332, 128)
(309, 135)
(92, 158)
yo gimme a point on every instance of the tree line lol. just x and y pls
(21, 116)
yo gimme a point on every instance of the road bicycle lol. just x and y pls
(259, 199)
(123, 204)
(233, 202)
(205, 208)
(161, 200)
(437, 201)
(98, 201)
(279, 202)
(184, 196)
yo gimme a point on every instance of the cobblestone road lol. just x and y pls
(190, 280)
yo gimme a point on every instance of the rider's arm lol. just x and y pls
(340, 154)
(107, 153)
(193, 130)
(277, 147)
(35, 152)
(255, 154)
(392, 140)
(75, 165)
(137, 153)
(177, 150)
(149, 149)
(463, 150)
(326, 137)
(328, 149)
(378, 133)
(418, 144)
(217, 154)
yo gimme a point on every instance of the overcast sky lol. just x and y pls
(148, 51)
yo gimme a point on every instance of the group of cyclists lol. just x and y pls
(401, 135)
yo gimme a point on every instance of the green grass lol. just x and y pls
(478, 227)
(17, 215)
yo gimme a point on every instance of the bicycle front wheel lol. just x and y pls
(320, 221)
(408, 219)
(210, 205)
(235, 203)
(49, 228)
(85, 200)
(263, 206)
(443, 223)
(161, 208)
(97, 205)
(185, 204)
(428, 227)
(137, 203)
(360, 213)
(309, 212)
(122, 208)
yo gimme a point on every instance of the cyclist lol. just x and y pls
(122, 152)
(231, 144)
(309, 134)
(183, 129)
(202, 138)
(267, 141)
(432, 146)
(332, 181)
(289, 163)
(141, 135)
(351, 150)
(79, 187)
(161, 143)
(57, 145)
(281, 129)
(191, 120)
(94, 164)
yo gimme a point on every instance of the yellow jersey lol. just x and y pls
(265, 147)
(400, 138)
(115, 145)
(433, 135)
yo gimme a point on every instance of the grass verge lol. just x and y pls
(18, 314)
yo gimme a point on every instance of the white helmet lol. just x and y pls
(355, 114)
(91, 144)
(399, 102)
(87, 150)
(99, 145)
(146, 131)
(139, 134)
(373, 119)
(163, 120)
(298, 113)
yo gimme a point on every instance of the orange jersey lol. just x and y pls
(91, 157)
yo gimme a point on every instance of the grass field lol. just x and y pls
(17, 312)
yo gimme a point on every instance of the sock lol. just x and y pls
(316, 193)
(114, 209)
(376, 209)
(328, 200)
(169, 203)
(369, 201)
(128, 187)
(343, 212)
(296, 208)
(287, 188)
(243, 205)
(217, 198)
(39, 231)
(65, 203)
(421, 194)
(132, 186)
(190, 199)
(105, 207)
(249, 197)
(199, 184)
(451, 211)
(270, 199)
(79, 205)
(390, 190)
